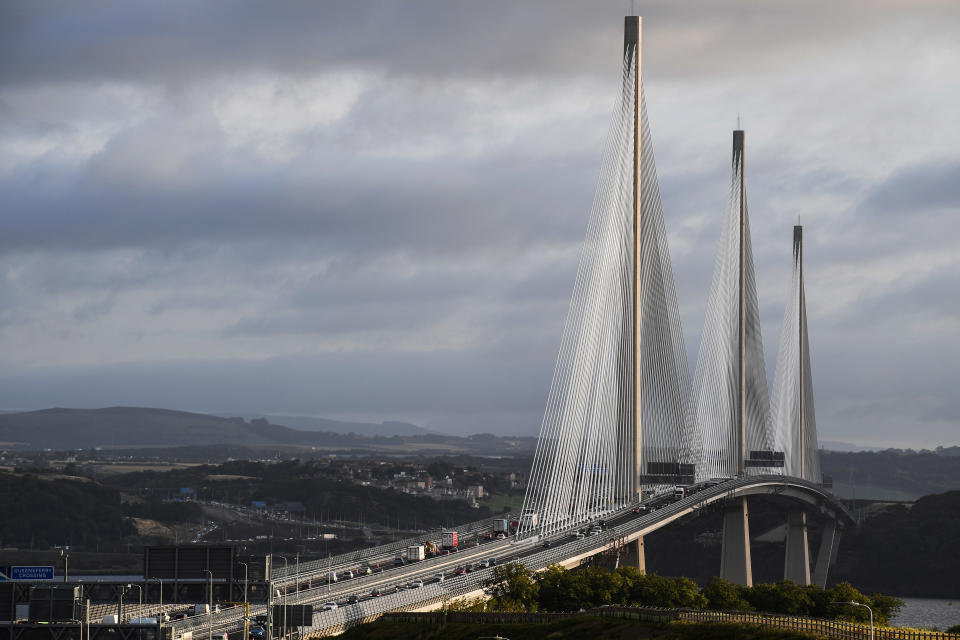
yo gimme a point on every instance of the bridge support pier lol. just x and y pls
(735, 564)
(634, 555)
(796, 560)
(827, 553)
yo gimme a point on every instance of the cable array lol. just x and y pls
(795, 432)
(585, 465)
(714, 409)
(721, 426)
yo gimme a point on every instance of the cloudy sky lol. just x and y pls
(372, 210)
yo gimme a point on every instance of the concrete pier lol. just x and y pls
(735, 564)
(796, 560)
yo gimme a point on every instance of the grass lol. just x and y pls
(497, 501)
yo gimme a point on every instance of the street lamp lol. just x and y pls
(160, 616)
(246, 606)
(283, 597)
(139, 598)
(860, 604)
(66, 564)
(210, 603)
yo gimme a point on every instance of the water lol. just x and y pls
(925, 613)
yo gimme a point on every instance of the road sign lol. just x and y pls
(31, 573)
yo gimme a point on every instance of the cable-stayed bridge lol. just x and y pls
(626, 429)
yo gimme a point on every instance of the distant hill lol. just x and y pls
(390, 428)
(179, 433)
(116, 427)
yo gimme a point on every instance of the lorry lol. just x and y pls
(501, 525)
(448, 539)
(415, 553)
(529, 520)
(679, 493)
(202, 609)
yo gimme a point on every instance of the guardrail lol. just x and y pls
(282, 576)
(840, 629)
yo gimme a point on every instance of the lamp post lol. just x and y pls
(139, 607)
(209, 603)
(139, 598)
(160, 616)
(66, 564)
(283, 597)
(860, 604)
(246, 606)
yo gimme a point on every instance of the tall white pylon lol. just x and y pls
(792, 413)
(729, 405)
(614, 419)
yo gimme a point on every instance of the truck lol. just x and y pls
(331, 577)
(679, 493)
(200, 609)
(448, 539)
(415, 553)
(501, 525)
(529, 519)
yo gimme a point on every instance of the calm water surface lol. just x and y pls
(925, 613)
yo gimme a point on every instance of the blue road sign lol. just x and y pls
(31, 573)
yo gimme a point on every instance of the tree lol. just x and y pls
(465, 604)
(512, 588)
(785, 596)
(885, 607)
(725, 595)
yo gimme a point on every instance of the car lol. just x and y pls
(578, 536)
(488, 536)
(438, 577)
(460, 571)
(376, 593)
(329, 606)
(546, 544)
(346, 575)
(365, 571)
(260, 620)
(416, 584)
(353, 600)
(258, 633)
(491, 561)
(501, 536)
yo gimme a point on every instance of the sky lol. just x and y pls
(373, 210)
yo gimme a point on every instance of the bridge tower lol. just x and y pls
(632, 41)
(735, 560)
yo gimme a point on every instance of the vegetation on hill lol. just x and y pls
(41, 512)
(513, 587)
(242, 482)
(923, 472)
(907, 551)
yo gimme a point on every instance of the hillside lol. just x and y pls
(196, 436)
(906, 551)
(116, 427)
(389, 428)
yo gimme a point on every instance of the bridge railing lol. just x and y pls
(313, 567)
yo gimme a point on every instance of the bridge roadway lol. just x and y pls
(622, 527)
(283, 577)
